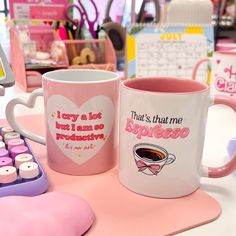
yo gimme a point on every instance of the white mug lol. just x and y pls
(162, 130)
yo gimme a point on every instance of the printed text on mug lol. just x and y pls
(159, 130)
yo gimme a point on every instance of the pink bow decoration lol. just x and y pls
(154, 168)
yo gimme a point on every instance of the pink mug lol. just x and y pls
(80, 117)
(162, 130)
(223, 72)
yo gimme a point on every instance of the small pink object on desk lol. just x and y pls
(45, 214)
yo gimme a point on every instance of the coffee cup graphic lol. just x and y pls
(151, 158)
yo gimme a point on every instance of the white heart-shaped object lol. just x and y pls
(27, 102)
(80, 132)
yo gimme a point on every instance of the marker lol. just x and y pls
(62, 32)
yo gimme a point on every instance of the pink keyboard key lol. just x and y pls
(5, 161)
(15, 142)
(8, 174)
(4, 153)
(22, 158)
(6, 130)
(18, 150)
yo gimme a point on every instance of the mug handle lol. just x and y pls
(171, 158)
(29, 102)
(229, 167)
(2, 90)
(196, 66)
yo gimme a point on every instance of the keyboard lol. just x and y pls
(20, 172)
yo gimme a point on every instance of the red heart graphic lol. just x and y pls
(218, 61)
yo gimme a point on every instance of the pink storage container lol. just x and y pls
(98, 53)
(29, 77)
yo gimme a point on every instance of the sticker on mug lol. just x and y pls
(80, 131)
(150, 159)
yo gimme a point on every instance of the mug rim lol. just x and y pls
(230, 52)
(51, 76)
(204, 88)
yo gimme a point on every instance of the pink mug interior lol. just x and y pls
(227, 52)
(165, 85)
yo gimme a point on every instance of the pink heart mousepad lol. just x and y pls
(118, 211)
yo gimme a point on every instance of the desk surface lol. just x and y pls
(221, 126)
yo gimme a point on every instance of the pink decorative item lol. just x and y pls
(162, 130)
(57, 214)
(81, 109)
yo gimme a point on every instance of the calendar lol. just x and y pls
(172, 51)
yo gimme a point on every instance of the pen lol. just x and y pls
(72, 46)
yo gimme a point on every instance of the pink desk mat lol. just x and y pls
(119, 211)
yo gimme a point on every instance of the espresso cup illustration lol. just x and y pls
(150, 158)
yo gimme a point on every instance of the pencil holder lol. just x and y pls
(91, 54)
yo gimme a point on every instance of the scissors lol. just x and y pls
(83, 17)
